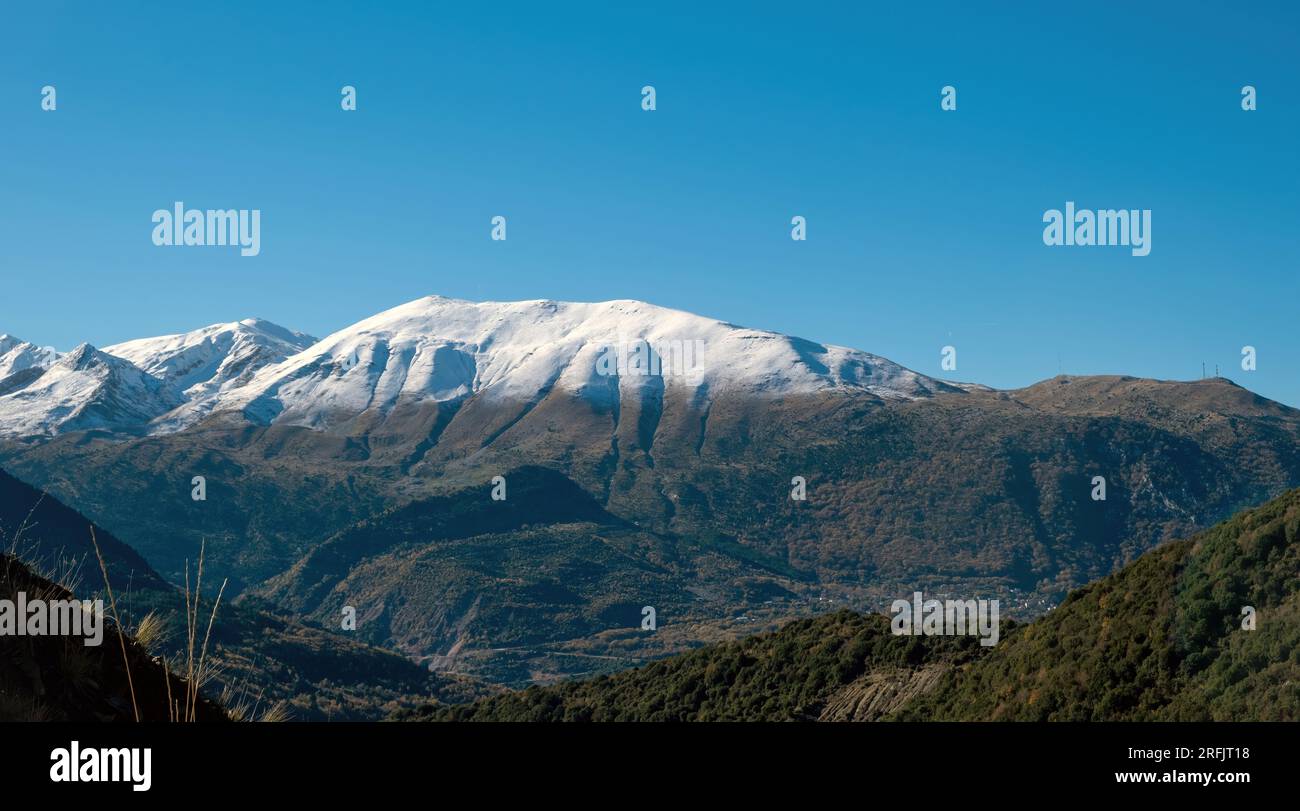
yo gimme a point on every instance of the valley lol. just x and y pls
(1158, 640)
(357, 471)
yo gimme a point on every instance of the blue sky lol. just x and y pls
(924, 227)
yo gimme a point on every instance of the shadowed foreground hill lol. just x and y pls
(1162, 639)
(55, 538)
(59, 678)
(261, 658)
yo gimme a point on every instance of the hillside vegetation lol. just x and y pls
(782, 676)
(1162, 639)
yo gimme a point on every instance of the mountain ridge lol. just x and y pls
(438, 350)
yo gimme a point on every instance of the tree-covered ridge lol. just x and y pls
(1161, 639)
(782, 676)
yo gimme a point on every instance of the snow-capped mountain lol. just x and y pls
(127, 387)
(439, 350)
(17, 356)
(85, 389)
(204, 361)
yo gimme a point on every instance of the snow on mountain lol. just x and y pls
(127, 386)
(202, 362)
(439, 349)
(431, 350)
(85, 389)
(17, 356)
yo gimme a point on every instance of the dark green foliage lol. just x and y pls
(783, 676)
(1162, 639)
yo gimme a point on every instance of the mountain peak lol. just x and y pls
(272, 328)
(17, 355)
(82, 353)
(205, 360)
(84, 389)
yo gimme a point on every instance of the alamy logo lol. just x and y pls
(77, 765)
(23, 617)
(661, 358)
(1101, 227)
(946, 618)
(181, 226)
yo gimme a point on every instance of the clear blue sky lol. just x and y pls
(924, 227)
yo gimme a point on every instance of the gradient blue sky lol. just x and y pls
(924, 227)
